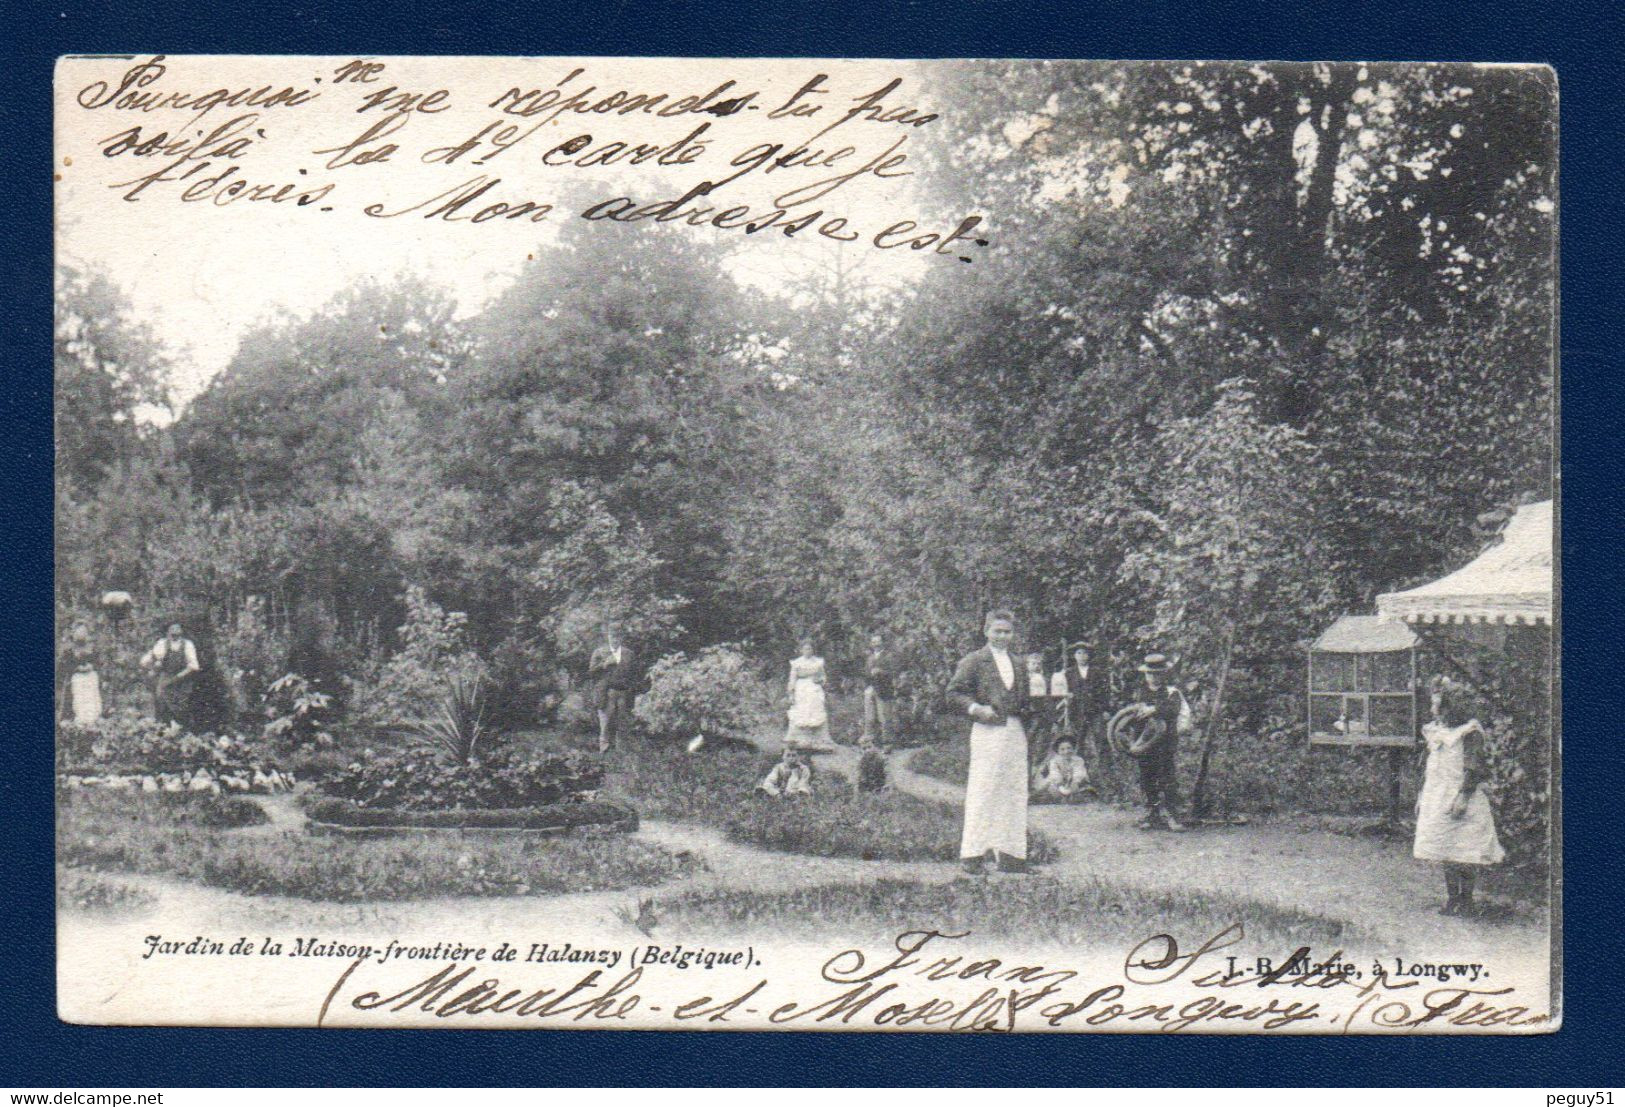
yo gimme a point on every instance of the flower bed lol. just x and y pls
(129, 752)
(176, 837)
(511, 790)
(329, 813)
(420, 780)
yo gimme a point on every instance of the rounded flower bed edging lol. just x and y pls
(329, 814)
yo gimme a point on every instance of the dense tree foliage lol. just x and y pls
(1250, 345)
(108, 365)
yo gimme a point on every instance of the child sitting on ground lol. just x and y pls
(1062, 777)
(871, 767)
(792, 776)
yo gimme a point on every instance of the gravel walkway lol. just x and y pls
(1376, 886)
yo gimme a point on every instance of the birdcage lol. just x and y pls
(1362, 684)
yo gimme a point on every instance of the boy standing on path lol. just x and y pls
(1159, 765)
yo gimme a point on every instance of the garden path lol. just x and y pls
(1376, 886)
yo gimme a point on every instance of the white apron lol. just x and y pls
(85, 694)
(1469, 840)
(996, 791)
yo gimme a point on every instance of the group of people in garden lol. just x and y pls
(1060, 713)
(172, 663)
(1014, 711)
(1027, 732)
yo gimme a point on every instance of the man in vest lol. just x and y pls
(174, 658)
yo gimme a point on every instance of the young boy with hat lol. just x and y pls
(1161, 701)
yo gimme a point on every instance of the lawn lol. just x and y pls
(131, 832)
(946, 761)
(888, 826)
(716, 787)
(92, 893)
(1250, 774)
(1033, 909)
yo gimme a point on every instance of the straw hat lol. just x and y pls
(1155, 663)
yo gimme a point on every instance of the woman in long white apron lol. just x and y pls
(988, 689)
(996, 793)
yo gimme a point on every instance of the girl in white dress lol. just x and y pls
(1454, 823)
(809, 715)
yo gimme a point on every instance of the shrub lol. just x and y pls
(296, 714)
(434, 651)
(713, 693)
(1520, 791)
(418, 780)
(525, 690)
(251, 652)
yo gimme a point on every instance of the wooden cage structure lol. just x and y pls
(1363, 684)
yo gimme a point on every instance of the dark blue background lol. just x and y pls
(1580, 39)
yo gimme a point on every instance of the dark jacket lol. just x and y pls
(606, 674)
(977, 680)
(881, 674)
(1088, 691)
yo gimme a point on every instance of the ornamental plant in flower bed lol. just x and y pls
(420, 780)
(129, 744)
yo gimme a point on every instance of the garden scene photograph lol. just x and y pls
(1179, 558)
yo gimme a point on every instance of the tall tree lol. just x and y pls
(605, 397)
(280, 423)
(108, 365)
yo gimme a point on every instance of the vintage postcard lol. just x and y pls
(999, 545)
